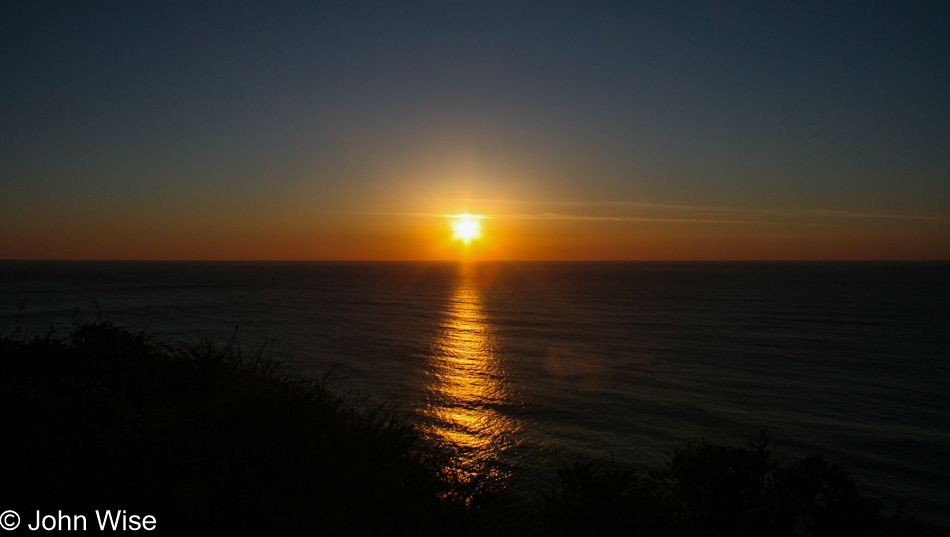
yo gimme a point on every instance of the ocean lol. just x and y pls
(515, 364)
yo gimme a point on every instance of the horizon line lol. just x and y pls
(672, 260)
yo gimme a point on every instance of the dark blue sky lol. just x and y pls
(299, 130)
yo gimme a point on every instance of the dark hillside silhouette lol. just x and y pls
(211, 439)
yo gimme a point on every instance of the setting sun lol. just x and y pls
(466, 228)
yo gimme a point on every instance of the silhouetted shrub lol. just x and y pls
(604, 498)
(213, 440)
(714, 490)
(207, 438)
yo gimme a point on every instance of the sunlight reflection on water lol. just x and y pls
(467, 386)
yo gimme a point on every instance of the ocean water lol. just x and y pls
(511, 364)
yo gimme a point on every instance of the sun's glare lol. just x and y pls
(466, 228)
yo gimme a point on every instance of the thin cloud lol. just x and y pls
(632, 204)
(846, 214)
(558, 216)
(552, 215)
(822, 213)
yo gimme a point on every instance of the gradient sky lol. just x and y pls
(587, 130)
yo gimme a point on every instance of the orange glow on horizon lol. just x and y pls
(470, 230)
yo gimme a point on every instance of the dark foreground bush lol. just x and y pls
(209, 440)
(713, 490)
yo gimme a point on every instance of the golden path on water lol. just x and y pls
(467, 385)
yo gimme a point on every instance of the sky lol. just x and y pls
(719, 130)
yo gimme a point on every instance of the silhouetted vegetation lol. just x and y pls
(210, 439)
(713, 490)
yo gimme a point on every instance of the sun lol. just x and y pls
(466, 228)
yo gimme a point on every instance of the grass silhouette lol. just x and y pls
(210, 439)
